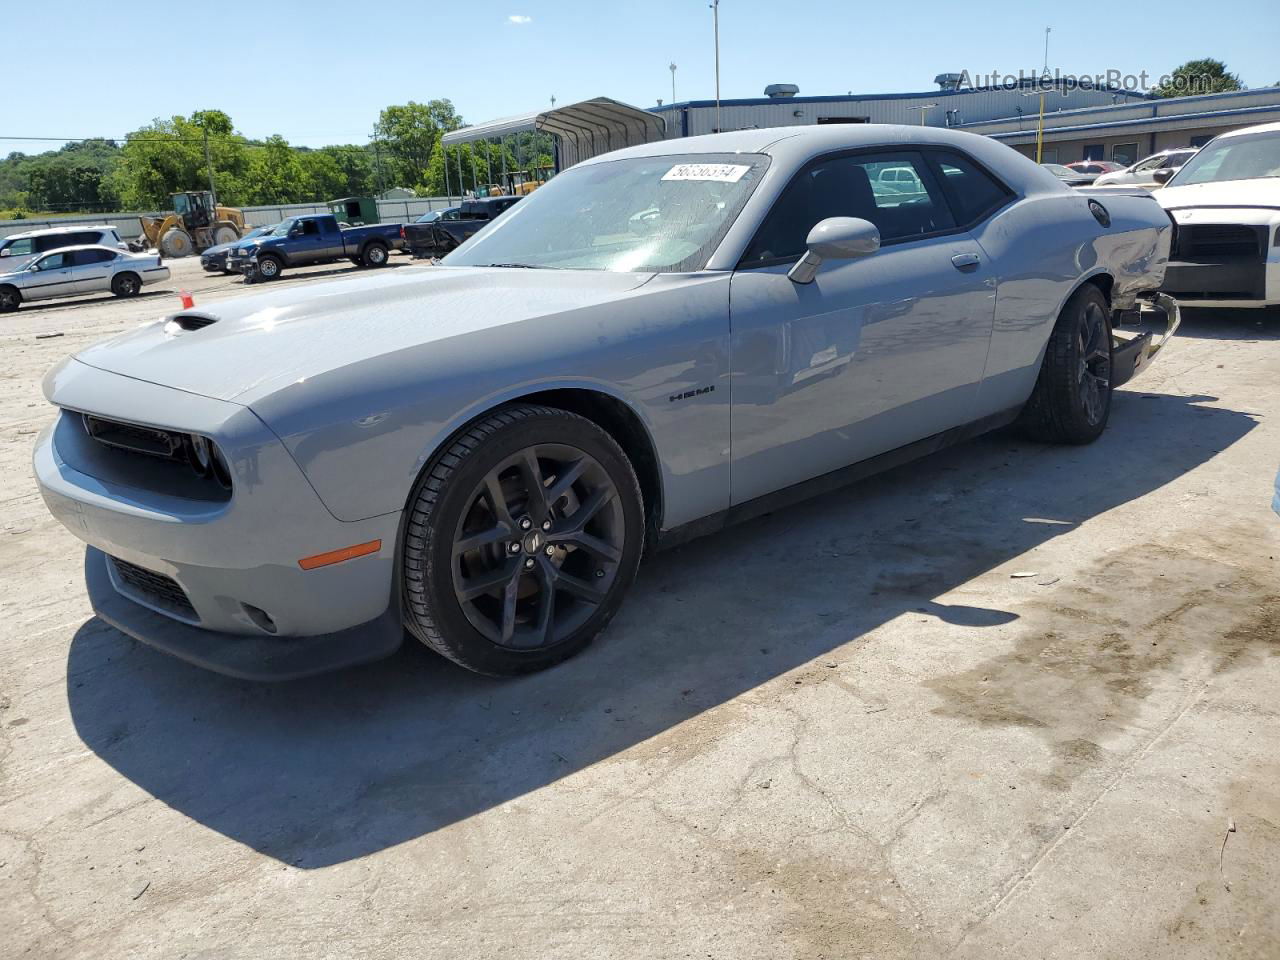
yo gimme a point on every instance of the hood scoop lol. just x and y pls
(188, 322)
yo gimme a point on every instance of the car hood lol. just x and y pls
(258, 344)
(1262, 192)
(222, 247)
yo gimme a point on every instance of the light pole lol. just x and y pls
(672, 68)
(715, 19)
(1046, 48)
(1040, 121)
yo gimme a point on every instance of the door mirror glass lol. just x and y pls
(835, 238)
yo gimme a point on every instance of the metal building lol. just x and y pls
(950, 105)
(1127, 133)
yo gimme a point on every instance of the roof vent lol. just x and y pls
(780, 90)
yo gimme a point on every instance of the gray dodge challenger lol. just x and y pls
(659, 341)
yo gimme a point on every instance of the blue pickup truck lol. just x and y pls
(313, 238)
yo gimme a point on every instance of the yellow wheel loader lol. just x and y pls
(194, 225)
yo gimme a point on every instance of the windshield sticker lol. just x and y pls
(718, 172)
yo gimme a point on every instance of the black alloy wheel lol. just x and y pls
(521, 539)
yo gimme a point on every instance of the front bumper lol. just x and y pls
(229, 559)
(1227, 283)
(237, 655)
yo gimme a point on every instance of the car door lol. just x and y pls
(332, 245)
(308, 246)
(876, 352)
(50, 276)
(91, 270)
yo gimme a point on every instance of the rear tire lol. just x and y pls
(225, 234)
(375, 255)
(126, 284)
(10, 298)
(503, 579)
(1071, 402)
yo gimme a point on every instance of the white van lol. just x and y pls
(19, 249)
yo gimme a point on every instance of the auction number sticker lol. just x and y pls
(719, 172)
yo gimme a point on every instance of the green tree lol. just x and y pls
(1196, 77)
(276, 174)
(407, 136)
(167, 157)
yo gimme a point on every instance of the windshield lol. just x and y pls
(1058, 170)
(1232, 158)
(661, 214)
(283, 227)
(259, 232)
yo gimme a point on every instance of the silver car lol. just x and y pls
(72, 271)
(19, 249)
(657, 342)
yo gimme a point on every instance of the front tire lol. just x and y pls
(1071, 402)
(269, 267)
(521, 540)
(9, 299)
(125, 284)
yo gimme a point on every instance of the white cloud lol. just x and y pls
(519, 18)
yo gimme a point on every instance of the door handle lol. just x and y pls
(963, 261)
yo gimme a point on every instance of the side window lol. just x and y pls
(892, 190)
(310, 228)
(87, 236)
(1151, 163)
(52, 241)
(83, 258)
(22, 248)
(972, 192)
(54, 261)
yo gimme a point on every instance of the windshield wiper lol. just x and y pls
(521, 266)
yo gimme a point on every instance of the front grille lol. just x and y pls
(1202, 240)
(166, 444)
(155, 589)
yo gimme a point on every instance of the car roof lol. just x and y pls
(1243, 131)
(794, 146)
(84, 246)
(48, 230)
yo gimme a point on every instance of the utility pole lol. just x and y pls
(715, 18)
(672, 68)
(377, 161)
(208, 161)
(1046, 49)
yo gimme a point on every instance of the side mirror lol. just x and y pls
(835, 238)
(6, 252)
(1163, 174)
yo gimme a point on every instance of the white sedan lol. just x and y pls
(78, 270)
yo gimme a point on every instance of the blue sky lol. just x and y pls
(318, 72)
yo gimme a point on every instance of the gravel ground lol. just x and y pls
(1009, 701)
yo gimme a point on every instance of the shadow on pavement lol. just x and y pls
(1242, 324)
(330, 769)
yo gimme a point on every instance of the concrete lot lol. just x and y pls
(851, 729)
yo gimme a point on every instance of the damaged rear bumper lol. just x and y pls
(1132, 352)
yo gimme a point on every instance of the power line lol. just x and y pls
(120, 140)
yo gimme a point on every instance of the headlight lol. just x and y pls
(207, 460)
(199, 455)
